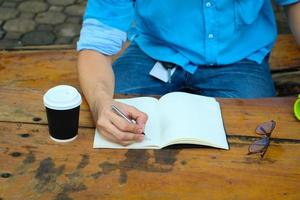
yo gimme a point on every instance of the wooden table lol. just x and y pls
(34, 167)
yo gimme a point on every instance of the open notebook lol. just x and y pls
(176, 118)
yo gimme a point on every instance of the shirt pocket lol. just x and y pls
(247, 11)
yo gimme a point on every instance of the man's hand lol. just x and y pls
(116, 129)
(97, 83)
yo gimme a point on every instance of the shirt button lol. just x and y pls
(208, 4)
(210, 36)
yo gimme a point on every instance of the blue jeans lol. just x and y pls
(244, 79)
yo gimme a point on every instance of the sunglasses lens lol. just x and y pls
(265, 128)
(259, 145)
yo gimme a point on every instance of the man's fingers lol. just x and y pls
(124, 125)
(113, 134)
(111, 138)
(107, 135)
(116, 129)
(121, 136)
(139, 116)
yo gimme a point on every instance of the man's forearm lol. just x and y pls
(293, 12)
(95, 76)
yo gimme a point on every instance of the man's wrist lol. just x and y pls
(102, 98)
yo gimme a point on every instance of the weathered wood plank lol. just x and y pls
(38, 70)
(287, 83)
(240, 116)
(287, 77)
(286, 54)
(59, 66)
(34, 167)
(26, 105)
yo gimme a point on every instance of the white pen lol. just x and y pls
(121, 114)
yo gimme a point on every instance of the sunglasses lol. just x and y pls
(260, 146)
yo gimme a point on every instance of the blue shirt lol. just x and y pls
(186, 32)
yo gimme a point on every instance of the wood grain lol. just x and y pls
(38, 70)
(44, 69)
(288, 77)
(34, 167)
(286, 54)
(240, 116)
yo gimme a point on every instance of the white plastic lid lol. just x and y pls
(62, 97)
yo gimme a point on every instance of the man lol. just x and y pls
(217, 48)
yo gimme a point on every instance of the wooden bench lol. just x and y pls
(285, 63)
(285, 66)
(34, 167)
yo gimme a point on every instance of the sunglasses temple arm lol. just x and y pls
(267, 146)
(263, 154)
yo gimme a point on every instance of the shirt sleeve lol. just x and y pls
(97, 36)
(115, 13)
(286, 2)
(105, 24)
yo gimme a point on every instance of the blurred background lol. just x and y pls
(40, 22)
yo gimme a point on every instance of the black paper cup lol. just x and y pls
(62, 105)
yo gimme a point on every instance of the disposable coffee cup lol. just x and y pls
(62, 105)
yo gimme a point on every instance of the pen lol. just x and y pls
(121, 114)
